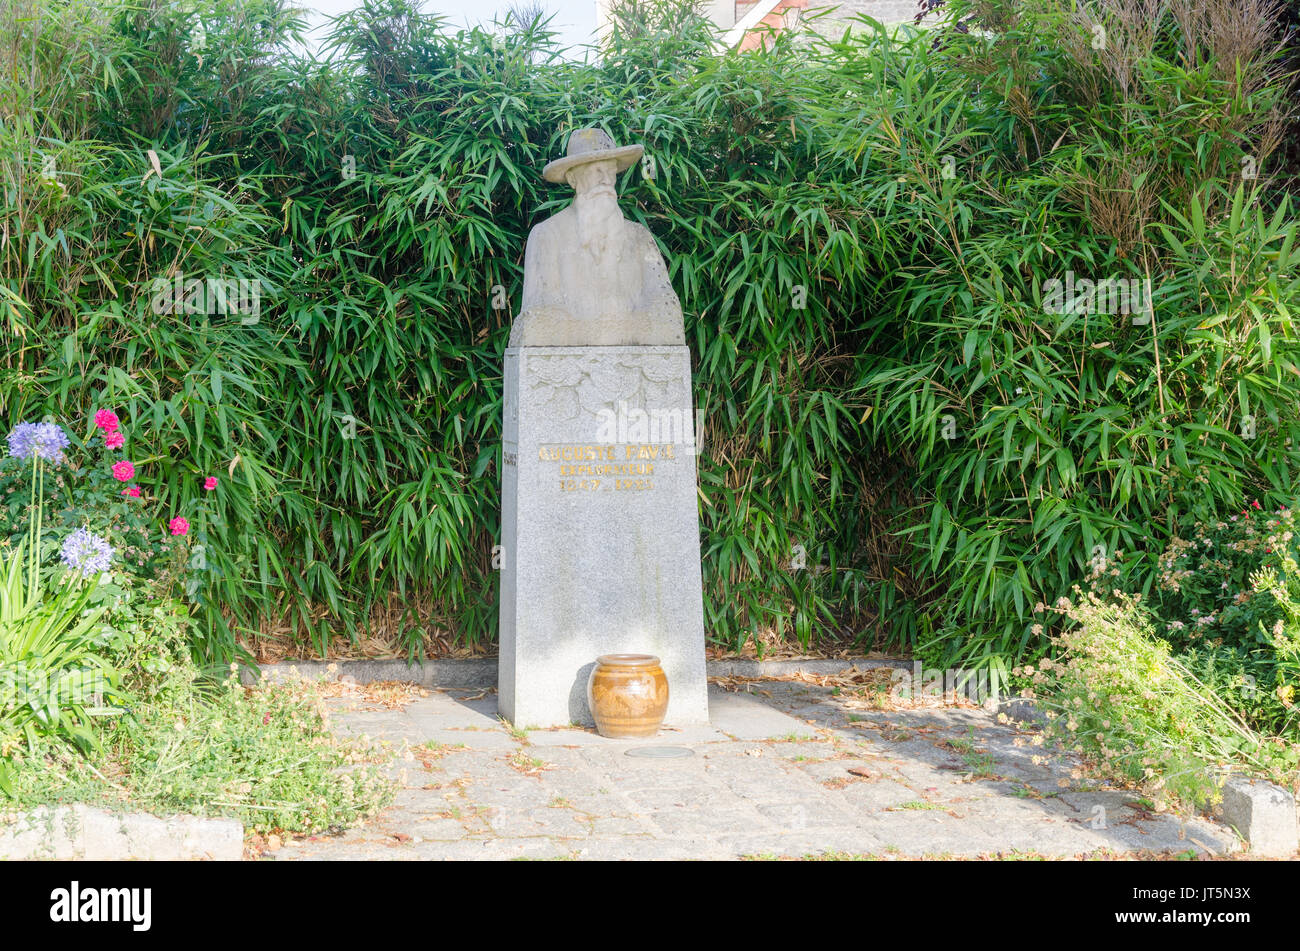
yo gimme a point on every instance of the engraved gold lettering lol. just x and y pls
(578, 465)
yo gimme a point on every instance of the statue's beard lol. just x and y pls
(599, 218)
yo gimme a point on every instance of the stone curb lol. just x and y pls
(482, 671)
(470, 672)
(1022, 709)
(1263, 814)
(782, 668)
(86, 833)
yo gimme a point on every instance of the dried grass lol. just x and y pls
(385, 636)
(389, 694)
(869, 689)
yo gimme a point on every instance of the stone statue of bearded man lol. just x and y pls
(591, 277)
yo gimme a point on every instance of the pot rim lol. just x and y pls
(627, 660)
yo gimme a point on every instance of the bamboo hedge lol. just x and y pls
(912, 439)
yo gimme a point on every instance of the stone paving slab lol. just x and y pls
(668, 736)
(743, 717)
(785, 770)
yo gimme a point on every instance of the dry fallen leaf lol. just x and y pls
(391, 694)
(154, 169)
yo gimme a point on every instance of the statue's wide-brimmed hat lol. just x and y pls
(591, 145)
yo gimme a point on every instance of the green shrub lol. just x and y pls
(1254, 684)
(862, 233)
(184, 742)
(93, 487)
(1223, 594)
(1050, 425)
(1204, 589)
(1118, 696)
(1283, 584)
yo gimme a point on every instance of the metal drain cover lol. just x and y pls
(660, 752)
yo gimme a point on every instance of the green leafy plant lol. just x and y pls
(265, 756)
(92, 485)
(53, 675)
(1283, 585)
(1224, 594)
(1048, 424)
(1118, 696)
(1206, 586)
(906, 442)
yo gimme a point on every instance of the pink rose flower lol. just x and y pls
(123, 471)
(210, 483)
(114, 441)
(107, 420)
(134, 491)
(178, 526)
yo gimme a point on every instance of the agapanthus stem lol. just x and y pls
(34, 531)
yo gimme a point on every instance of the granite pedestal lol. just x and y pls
(600, 527)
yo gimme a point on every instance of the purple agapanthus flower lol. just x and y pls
(86, 552)
(38, 440)
(22, 441)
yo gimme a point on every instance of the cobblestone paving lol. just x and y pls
(784, 770)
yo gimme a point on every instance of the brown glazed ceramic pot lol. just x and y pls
(628, 695)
